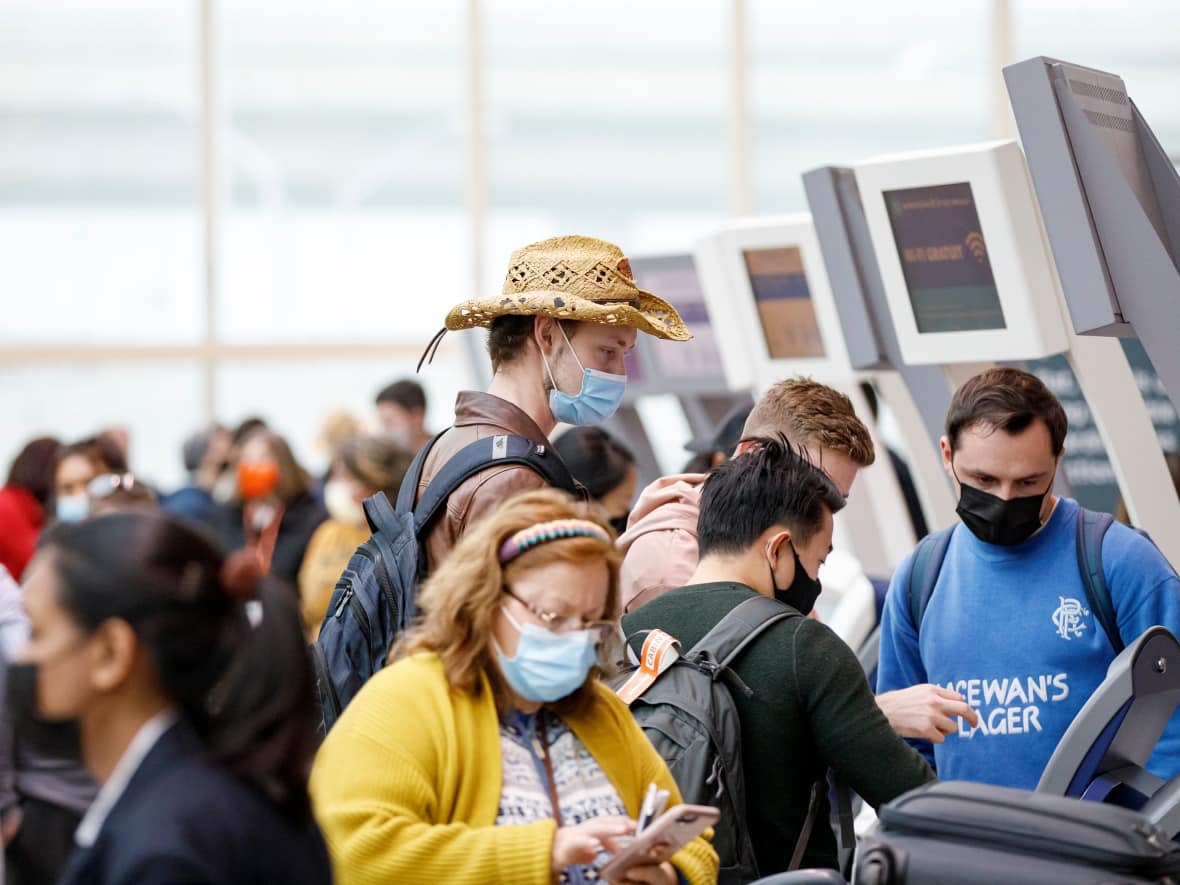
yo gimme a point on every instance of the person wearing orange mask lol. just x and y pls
(273, 513)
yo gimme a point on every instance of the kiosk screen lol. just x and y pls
(784, 303)
(944, 258)
(674, 278)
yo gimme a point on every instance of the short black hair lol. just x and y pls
(405, 393)
(595, 458)
(771, 484)
(1009, 400)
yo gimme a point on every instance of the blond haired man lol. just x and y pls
(660, 545)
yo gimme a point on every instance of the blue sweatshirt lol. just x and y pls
(1009, 629)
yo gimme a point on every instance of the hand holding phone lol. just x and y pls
(666, 835)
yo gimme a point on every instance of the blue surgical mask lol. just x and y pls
(548, 666)
(596, 400)
(73, 508)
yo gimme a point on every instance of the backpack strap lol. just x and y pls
(924, 569)
(490, 451)
(408, 490)
(380, 514)
(743, 624)
(1092, 527)
(818, 789)
(846, 829)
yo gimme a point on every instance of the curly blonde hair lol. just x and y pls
(459, 601)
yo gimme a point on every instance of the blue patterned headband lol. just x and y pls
(555, 530)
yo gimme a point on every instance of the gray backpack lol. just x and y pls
(689, 716)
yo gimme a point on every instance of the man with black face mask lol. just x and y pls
(1008, 624)
(765, 527)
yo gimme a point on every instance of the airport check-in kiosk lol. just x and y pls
(1110, 198)
(689, 371)
(968, 278)
(1104, 753)
(918, 395)
(774, 317)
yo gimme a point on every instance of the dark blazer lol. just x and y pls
(183, 820)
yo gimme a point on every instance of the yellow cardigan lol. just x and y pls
(406, 786)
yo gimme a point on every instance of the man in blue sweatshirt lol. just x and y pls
(1008, 625)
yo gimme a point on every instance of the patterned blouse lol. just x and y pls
(583, 790)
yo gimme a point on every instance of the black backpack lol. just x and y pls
(689, 716)
(374, 599)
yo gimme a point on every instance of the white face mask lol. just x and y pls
(400, 436)
(341, 505)
(226, 487)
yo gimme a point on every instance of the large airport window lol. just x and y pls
(584, 103)
(944, 258)
(342, 152)
(99, 216)
(674, 278)
(784, 303)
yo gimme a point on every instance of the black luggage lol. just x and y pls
(976, 834)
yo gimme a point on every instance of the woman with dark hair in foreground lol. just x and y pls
(184, 678)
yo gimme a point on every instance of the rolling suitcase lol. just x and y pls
(976, 834)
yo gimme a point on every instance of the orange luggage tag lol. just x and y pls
(660, 651)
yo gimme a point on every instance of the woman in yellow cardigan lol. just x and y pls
(490, 752)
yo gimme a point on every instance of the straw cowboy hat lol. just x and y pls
(573, 278)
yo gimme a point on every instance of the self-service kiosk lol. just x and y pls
(774, 317)
(1110, 198)
(917, 395)
(968, 280)
(675, 389)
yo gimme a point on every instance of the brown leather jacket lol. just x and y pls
(477, 415)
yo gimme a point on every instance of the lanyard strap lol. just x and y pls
(551, 780)
(262, 539)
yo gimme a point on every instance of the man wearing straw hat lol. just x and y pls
(558, 332)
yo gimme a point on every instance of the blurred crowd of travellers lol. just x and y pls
(162, 719)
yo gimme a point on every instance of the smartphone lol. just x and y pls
(665, 835)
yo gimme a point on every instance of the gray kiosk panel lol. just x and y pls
(1106, 747)
(683, 367)
(859, 292)
(1110, 199)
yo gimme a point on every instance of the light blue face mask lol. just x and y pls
(73, 508)
(599, 396)
(548, 666)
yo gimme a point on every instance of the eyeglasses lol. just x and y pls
(106, 484)
(566, 624)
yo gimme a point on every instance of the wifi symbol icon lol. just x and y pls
(976, 246)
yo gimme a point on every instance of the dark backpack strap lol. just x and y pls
(408, 490)
(743, 624)
(1092, 527)
(380, 514)
(491, 451)
(817, 790)
(924, 569)
(846, 829)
